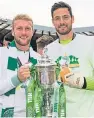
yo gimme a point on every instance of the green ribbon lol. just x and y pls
(38, 95)
(30, 99)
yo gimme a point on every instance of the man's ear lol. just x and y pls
(72, 19)
(52, 21)
(33, 32)
(12, 31)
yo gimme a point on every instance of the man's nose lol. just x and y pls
(62, 20)
(23, 31)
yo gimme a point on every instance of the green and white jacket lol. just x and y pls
(80, 52)
(12, 96)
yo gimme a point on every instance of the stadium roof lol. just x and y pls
(5, 28)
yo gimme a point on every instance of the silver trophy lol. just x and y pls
(47, 76)
(45, 95)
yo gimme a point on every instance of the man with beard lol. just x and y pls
(14, 70)
(77, 72)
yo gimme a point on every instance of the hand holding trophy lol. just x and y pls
(73, 79)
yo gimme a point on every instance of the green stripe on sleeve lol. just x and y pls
(7, 112)
(12, 91)
(12, 63)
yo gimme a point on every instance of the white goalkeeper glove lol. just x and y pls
(73, 79)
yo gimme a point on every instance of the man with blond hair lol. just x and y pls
(13, 68)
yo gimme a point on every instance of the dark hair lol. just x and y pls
(9, 37)
(61, 5)
(44, 40)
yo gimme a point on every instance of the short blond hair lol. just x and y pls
(22, 17)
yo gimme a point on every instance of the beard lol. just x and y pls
(62, 32)
(18, 41)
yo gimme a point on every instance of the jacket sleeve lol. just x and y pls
(88, 67)
(10, 81)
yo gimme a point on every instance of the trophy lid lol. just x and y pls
(45, 60)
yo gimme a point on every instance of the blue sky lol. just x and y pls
(39, 10)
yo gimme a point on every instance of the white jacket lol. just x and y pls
(80, 102)
(9, 80)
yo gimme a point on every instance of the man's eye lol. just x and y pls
(57, 18)
(66, 17)
(19, 28)
(28, 28)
